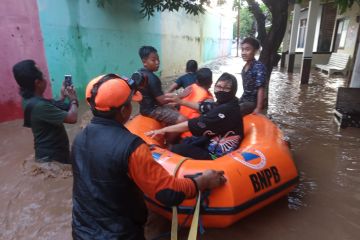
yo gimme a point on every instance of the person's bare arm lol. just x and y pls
(173, 87)
(176, 100)
(162, 100)
(74, 104)
(177, 128)
(260, 100)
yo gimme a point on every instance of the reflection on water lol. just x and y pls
(305, 186)
(325, 204)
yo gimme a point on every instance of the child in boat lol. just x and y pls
(220, 126)
(153, 102)
(254, 78)
(187, 79)
(197, 92)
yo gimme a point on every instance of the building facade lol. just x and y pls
(330, 30)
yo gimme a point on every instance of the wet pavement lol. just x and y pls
(325, 205)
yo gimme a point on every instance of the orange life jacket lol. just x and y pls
(197, 94)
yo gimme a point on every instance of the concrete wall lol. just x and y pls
(20, 39)
(187, 37)
(86, 40)
(322, 58)
(353, 29)
(355, 79)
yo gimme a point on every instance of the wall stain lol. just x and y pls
(79, 51)
(188, 38)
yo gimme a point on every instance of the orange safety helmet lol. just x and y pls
(109, 92)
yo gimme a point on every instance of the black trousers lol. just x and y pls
(191, 151)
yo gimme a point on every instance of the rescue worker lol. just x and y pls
(112, 168)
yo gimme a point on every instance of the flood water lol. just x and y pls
(325, 205)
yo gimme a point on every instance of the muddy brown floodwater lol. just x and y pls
(326, 204)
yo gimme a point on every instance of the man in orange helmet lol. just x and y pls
(112, 168)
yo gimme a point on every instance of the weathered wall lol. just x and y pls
(355, 79)
(86, 40)
(321, 58)
(352, 31)
(20, 39)
(201, 38)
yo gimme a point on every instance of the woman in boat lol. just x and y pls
(219, 129)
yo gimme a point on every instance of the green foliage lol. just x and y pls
(247, 19)
(266, 12)
(247, 22)
(344, 4)
(237, 4)
(221, 2)
(194, 7)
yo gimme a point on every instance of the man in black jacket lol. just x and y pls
(112, 169)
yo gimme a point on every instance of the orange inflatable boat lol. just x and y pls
(259, 172)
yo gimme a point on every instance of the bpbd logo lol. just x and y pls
(161, 157)
(250, 157)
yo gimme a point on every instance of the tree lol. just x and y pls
(194, 7)
(344, 4)
(271, 40)
(246, 23)
(260, 17)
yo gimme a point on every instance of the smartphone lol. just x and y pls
(68, 81)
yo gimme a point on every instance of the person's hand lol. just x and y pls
(210, 179)
(70, 92)
(256, 111)
(62, 92)
(155, 133)
(186, 92)
(172, 98)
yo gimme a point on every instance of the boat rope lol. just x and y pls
(195, 221)
(174, 220)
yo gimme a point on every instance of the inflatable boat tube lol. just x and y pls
(259, 172)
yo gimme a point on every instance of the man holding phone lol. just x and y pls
(45, 117)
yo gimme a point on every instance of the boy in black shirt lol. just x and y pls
(153, 103)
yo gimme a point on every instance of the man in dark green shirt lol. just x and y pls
(45, 117)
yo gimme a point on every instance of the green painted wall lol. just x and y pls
(86, 40)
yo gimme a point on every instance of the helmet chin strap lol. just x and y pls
(120, 114)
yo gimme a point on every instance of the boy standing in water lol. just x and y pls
(254, 78)
(187, 79)
(154, 100)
